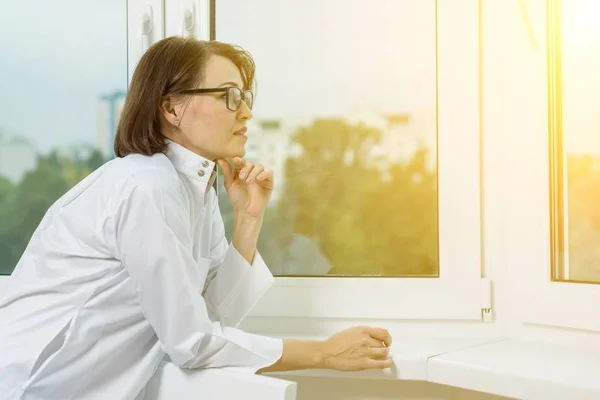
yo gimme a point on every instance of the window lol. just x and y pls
(352, 114)
(554, 149)
(63, 78)
(376, 141)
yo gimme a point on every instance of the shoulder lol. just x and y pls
(144, 170)
(138, 175)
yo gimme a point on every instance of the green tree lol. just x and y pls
(583, 230)
(363, 224)
(8, 224)
(22, 206)
(39, 189)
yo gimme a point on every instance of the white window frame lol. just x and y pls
(456, 293)
(543, 301)
(145, 26)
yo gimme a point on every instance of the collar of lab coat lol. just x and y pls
(196, 167)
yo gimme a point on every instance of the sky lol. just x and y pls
(314, 58)
(56, 58)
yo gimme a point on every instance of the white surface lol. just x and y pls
(174, 12)
(519, 369)
(505, 367)
(525, 136)
(171, 382)
(410, 356)
(135, 11)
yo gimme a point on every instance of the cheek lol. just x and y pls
(202, 120)
(211, 120)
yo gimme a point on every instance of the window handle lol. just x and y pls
(147, 29)
(189, 21)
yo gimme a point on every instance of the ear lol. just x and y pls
(172, 111)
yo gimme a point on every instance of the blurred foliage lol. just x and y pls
(22, 206)
(583, 178)
(350, 214)
(362, 221)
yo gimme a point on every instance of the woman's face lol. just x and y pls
(206, 126)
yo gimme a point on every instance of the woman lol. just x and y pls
(132, 265)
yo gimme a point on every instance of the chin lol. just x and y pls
(239, 152)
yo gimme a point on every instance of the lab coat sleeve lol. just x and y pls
(154, 244)
(234, 286)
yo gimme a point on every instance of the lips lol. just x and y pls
(241, 131)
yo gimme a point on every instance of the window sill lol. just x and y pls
(505, 367)
(521, 369)
(172, 382)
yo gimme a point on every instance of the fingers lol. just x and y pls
(370, 342)
(238, 165)
(266, 175)
(254, 173)
(380, 364)
(249, 172)
(379, 334)
(227, 172)
(245, 170)
(379, 353)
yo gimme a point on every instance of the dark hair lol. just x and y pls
(168, 67)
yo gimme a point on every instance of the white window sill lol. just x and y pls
(504, 367)
(172, 382)
(521, 369)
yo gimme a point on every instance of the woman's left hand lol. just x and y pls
(249, 186)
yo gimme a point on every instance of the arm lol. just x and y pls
(353, 349)
(154, 244)
(235, 283)
(298, 354)
(245, 234)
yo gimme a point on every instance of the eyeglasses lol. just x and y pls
(233, 96)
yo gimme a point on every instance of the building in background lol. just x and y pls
(402, 135)
(17, 157)
(109, 108)
(270, 143)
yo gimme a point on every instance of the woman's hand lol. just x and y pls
(249, 186)
(357, 348)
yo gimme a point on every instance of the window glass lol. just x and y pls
(575, 138)
(345, 115)
(63, 76)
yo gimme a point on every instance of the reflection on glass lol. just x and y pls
(345, 115)
(63, 80)
(579, 80)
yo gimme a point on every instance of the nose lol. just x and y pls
(244, 113)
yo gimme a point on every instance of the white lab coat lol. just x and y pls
(128, 268)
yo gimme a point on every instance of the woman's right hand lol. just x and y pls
(357, 348)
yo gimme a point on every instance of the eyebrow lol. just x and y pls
(229, 84)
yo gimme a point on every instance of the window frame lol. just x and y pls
(136, 12)
(531, 133)
(457, 292)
